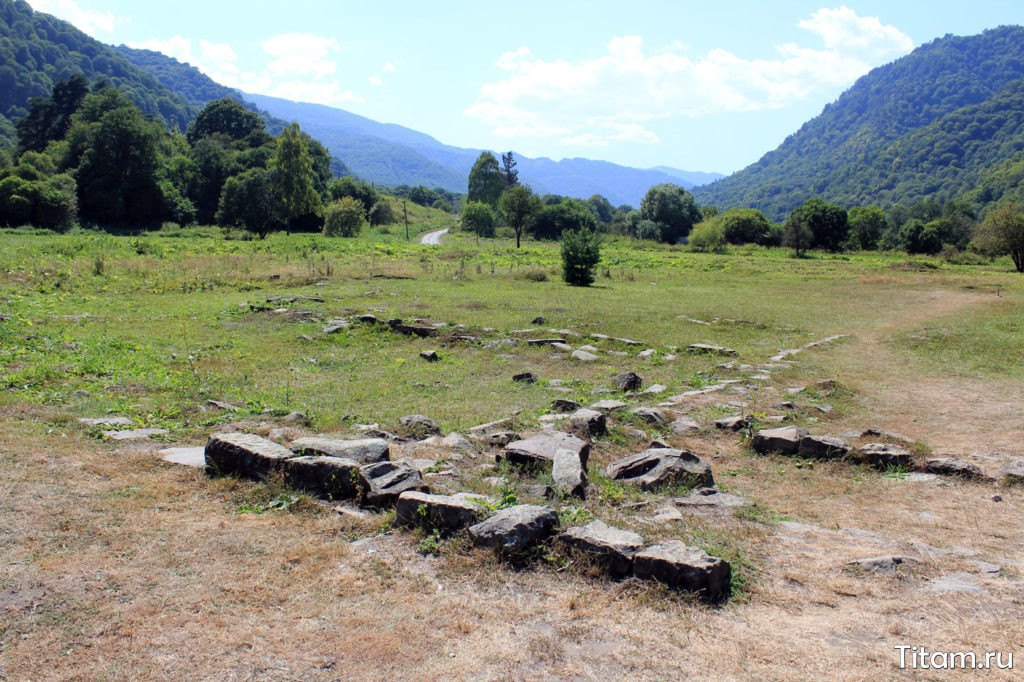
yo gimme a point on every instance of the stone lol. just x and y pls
(733, 423)
(955, 583)
(443, 513)
(654, 389)
(608, 406)
(564, 347)
(540, 319)
(563, 406)
(430, 355)
(953, 466)
(295, 418)
(244, 454)
(884, 455)
(881, 564)
(711, 498)
(588, 422)
(134, 434)
(647, 354)
(190, 457)
(583, 356)
(422, 331)
(282, 434)
(822, 447)
(489, 426)
(500, 438)
(785, 439)
(539, 449)
(419, 426)
(656, 468)
(333, 478)
(588, 348)
(499, 343)
(109, 422)
(683, 567)
(628, 382)
(706, 348)
(653, 415)
(79, 394)
(456, 441)
(363, 451)
(525, 378)
(335, 328)
(610, 548)
(220, 405)
(569, 473)
(382, 482)
(545, 342)
(684, 426)
(1012, 473)
(516, 528)
(657, 443)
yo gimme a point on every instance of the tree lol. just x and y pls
(867, 224)
(553, 221)
(917, 236)
(826, 222)
(381, 213)
(797, 234)
(581, 252)
(708, 235)
(1005, 226)
(518, 204)
(672, 207)
(49, 118)
(224, 117)
(602, 209)
(743, 226)
(350, 187)
(294, 175)
(250, 199)
(508, 170)
(478, 218)
(343, 218)
(486, 182)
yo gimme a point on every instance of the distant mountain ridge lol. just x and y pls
(392, 154)
(931, 125)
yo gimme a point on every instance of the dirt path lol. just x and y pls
(958, 414)
(433, 238)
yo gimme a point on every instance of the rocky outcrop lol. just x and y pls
(657, 468)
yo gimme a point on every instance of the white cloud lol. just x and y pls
(87, 20)
(298, 69)
(301, 54)
(615, 96)
(375, 80)
(389, 67)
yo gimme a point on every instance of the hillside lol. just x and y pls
(930, 125)
(37, 49)
(392, 154)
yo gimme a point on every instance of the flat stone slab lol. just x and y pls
(953, 466)
(785, 439)
(684, 426)
(545, 342)
(540, 449)
(189, 457)
(955, 583)
(611, 548)
(711, 498)
(708, 348)
(735, 422)
(683, 567)
(881, 564)
(884, 455)
(609, 406)
(653, 415)
(1012, 473)
(363, 450)
(381, 483)
(244, 454)
(515, 529)
(420, 425)
(564, 406)
(134, 434)
(569, 473)
(656, 468)
(583, 356)
(108, 422)
(333, 478)
(444, 513)
(588, 422)
(822, 447)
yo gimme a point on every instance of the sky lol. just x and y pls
(701, 86)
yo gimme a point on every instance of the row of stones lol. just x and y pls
(361, 469)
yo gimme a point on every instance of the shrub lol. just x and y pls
(382, 213)
(648, 229)
(708, 236)
(343, 218)
(581, 252)
(478, 218)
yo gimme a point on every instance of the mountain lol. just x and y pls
(931, 125)
(37, 49)
(692, 178)
(392, 154)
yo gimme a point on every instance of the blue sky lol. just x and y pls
(706, 86)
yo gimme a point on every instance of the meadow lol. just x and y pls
(115, 564)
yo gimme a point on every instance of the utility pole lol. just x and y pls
(405, 210)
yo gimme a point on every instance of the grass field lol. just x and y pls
(114, 565)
